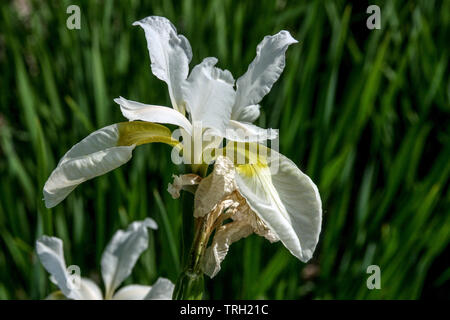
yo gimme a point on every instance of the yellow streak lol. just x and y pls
(251, 170)
(139, 132)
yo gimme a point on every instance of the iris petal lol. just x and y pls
(262, 73)
(209, 96)
(133, 110)
(122, 252)
(102, 151)
(170, 55)
(286, 200)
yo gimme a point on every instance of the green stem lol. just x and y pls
(190, 283)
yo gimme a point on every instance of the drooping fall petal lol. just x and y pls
(102, 151)
(286, 200)
(216, 200)
(95, 155)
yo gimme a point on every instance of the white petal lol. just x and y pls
(89, 290)
(209, 95)
(262, 73)
(247, 132)
(95, 155)
(133, 110)
(286, 200)
(223, 238)
(170, 54)
(50, 252)
(122, 252)
(161, 290)
(132, 292)
(248, 113)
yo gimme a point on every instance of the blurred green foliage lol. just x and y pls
(364, 113)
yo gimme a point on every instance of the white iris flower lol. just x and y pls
(206, 98)
(117, 262)
(280, 205)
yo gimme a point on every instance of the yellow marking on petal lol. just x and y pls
(245, 153)
(140, 132)
(251, 170)
(259, 179)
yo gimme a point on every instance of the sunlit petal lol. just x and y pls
(100, 152)
(133, 110)
(262, 73)
(247, 132)
(95, 155)
(170, 55)
(209, 95)
(224, 237)
(247, 113)
(286, 200)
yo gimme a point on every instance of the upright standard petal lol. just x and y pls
(133, 110)
(262, 73)
(286, 200)
(122, 252)
(170, 55)
(51, 254)
(161, 290)
(209, 96)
